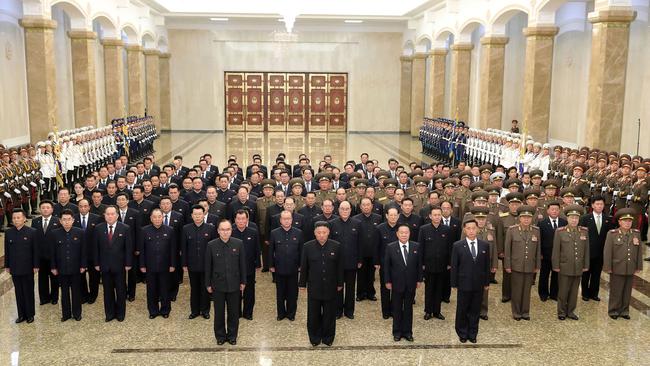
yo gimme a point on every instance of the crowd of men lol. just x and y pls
(331, 229)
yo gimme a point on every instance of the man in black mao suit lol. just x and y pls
(250, 239)
(87, 221)
(225, 278)
(403, 273)
(547, 227)
(48, 284)
(22, 261)
(470, 274)
(113, 257)
(591, 278)
(322, 267)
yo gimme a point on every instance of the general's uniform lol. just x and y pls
(523, 257)
(69, 256)
(193, 241)
(158, 255)
(22, 258)
(285, 247)
(623, 256)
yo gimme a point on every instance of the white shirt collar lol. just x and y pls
(402, 244)
(469, 242)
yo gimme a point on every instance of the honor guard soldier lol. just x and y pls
(522, 260)
(623, 258)
(570, 258)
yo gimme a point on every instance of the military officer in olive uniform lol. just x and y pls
(508, 219)
(263, 203)
(570, 258)
(522, 259)
(623, 257)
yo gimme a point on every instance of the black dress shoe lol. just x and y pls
(20, 320)
(291, 318)
(427, 316)
(315, 344)
(350, 317)
(504, 300)
(173, 298)
(192, 316)
(517, 319)
(613, 316)
(108, 319)
(265, 269)
(77, 318)
(64, 318)
(397, 339)
(525, 317)
(626, 317)
(484, 317)
(386, 316)
(543, 298)
(360, 298)
(647, 259)
(595, 298)
(328, 344)
(572, 317)
(472, 340)
(280, 318)
(463, 340)
(120, 319)
(554, 298)
(165, 316)
(206, 316)
(445, 301)
(439, 316)
(232, 341)
(30, 320)
(152, 316)
(54, 302)
(339, 316)
(494, 282)
(561, 317)
(409, 338)
(44, 302)
(131, 299)
(221, 341)
(91, 301)
(585, 298)
(248, 317)
(372, 298)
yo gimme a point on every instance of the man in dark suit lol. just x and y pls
(133, 219)
(599, 224)
(176, 221)
(455, 228)
(63, 202)
(113, 257)
(250, 239)
(369, 241)
(403, 273)
(87, 221)
(158, 261)
(285, 248)
(224, 193)
(225, 279)
(22, 261)
(547, 227)
(48, 284)
(69, 262)
(242, 201)
(346, 231)
(470, 274)
(211, 167)
(321, 270)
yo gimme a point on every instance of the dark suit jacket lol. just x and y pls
(403, 277)
(547, 234)
(225, 265)
(596, 240)
(133, 220)
(93, 221)
(468, 274)
(114, 255)
(45, 240)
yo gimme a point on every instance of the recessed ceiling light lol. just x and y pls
(353, 21)
(219, 19)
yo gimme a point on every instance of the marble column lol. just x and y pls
(609, 50)
(152, 82)
(405, 94)
(82, 50)
(436, 87)
(41, 75)
(537, 80)
(135, 87)
(461, 58)
(165, 95)
(114, 78)
(418, 81)
(491, 81)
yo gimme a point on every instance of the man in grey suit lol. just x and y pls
(225, 279)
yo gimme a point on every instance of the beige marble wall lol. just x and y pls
(460, 80)
(13, 89)
(165, 93)
(41, 75)
(83, 77)
(436, 87)
(135, 87)
(418, 82)
(152, 82)
(537, 80)
(491, 81)
(114, 78)
(405, 94)
(609, 51)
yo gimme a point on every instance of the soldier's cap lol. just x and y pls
(40, 144)
(532, 193)
(493, 190)
(296, 182)
(497, 176)
(415, 173)
(551, 183)
(525, 210)
(454, 172)
(637, 158)
(485, 168)
(476, 186)
(354, 175)
(567, 192)
(574, 210)
(574, 152)
(4, 153)
(438, 177)
(514, 182)
(626, 163)
(625, 214)
(537, 144)
(546, 146)
(421, 181)
(383, 174)
(593, 156)
(536, 173)
(324, 176)
(464, 175)
(557, 148)
(360, 183)
(448, 183)
(480, 196)
(268, 183)
(515, 197)
(602, 157)
(480, 211)
(390, 183)
(625, 157)
(643, 167)
(579, 166)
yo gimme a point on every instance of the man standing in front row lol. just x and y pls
(322, 267)
(225, 279)
(470, 274)
(403, 273)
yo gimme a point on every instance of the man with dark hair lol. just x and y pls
(133, 221)
(547, 228)
(598, 223)
(436, 242)
(87, 221)
(345, 231)
(285, 247)
(242, 201)
(48, 284)
(369, 241)
(250, 240)
(21, 262)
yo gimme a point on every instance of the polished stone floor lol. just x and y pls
(594, 339)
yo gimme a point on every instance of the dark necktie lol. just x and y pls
(45, 223)
(406, 253)
(83, 222)
(472, 248)
(166, 219)
(110, 233)
(554, 223)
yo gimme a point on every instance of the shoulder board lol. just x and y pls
(563, 228)
(583, 228)
(504, 214)
(382, 198)
(534, 227)
(636, 230)
(613, 230)
(513, 226)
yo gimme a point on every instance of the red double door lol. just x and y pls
(270, 101)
